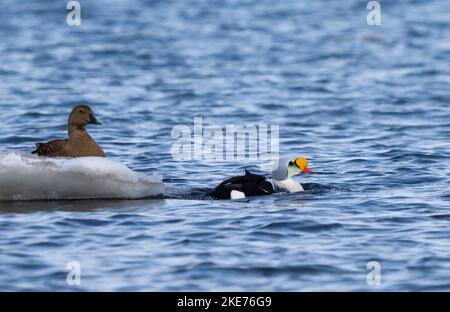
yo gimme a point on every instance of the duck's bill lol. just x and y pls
(307, 170)
(93, 120)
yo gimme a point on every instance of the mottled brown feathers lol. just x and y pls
(80, 143)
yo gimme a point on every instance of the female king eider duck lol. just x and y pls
(79, 142)
(256, 185)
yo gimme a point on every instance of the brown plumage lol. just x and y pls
(79, 143)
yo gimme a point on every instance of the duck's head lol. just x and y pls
(287, 168)
(82, 115)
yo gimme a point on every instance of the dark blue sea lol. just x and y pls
(367, 105)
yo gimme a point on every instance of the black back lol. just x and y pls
(250, 184)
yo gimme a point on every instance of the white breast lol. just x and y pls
(287, 185)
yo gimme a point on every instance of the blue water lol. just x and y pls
(368, 105)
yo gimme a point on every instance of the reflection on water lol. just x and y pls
(77, 205)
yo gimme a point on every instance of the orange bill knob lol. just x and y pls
(302, 164)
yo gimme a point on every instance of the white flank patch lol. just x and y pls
(236, 195)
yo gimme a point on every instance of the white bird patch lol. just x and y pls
(236, 195)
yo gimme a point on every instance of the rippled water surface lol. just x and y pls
(369, 106)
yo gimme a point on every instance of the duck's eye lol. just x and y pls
(81, 110)
(291, 163)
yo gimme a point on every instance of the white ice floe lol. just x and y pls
(28, 177)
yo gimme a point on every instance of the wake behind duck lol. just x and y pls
(28, 177)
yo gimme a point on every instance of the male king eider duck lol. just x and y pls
(256, 185)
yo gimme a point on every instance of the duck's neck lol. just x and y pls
(287, 185)
(78, 133)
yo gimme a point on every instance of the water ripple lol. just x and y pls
(367, 105)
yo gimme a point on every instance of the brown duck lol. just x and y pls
(79, 143)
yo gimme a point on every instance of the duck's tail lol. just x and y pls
(39, 147)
